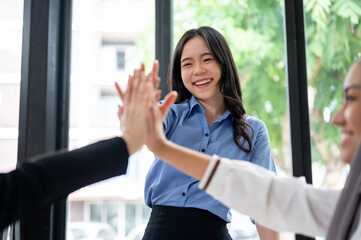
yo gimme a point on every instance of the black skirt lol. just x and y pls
(175, 223)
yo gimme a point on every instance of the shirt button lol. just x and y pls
(203, 150)
(183, 194)
(206, 134)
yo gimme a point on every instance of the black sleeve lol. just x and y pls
(50, 177)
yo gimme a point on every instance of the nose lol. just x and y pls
(199, 69)
(338, 119)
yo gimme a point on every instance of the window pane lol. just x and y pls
(333, 44)
(11, 26)
(254, 31)
(109, 40)
(130, 217)
(112, 214)
(95, 212)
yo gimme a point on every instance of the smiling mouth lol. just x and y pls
(202, 82)
(346, 137)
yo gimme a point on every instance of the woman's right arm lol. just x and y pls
(282, 204)
(50, 177)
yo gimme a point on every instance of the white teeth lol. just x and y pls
(202, 82)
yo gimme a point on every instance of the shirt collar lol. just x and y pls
(193, 103)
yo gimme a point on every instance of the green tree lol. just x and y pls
(333, 43)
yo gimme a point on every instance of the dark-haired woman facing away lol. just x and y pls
(208, 117)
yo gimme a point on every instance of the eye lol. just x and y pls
(186, 64)
(349, 98)
(208, 59)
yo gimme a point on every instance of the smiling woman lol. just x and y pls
(348, 116)
(201, 74)
(208, 117)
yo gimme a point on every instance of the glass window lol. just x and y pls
(105, 235)
(95, 212)
(130, 217)
(112, 214)
(11, 26)
(120, 60)
(333, 44)
(109, 40)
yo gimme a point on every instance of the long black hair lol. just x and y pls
(229, 84)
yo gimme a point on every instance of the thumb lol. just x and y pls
(168, 102)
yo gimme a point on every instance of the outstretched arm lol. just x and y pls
(53, 176)
(50, 177)
(282, 204)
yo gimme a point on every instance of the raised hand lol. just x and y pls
(152, 81)
(137, 100)
(152, 77)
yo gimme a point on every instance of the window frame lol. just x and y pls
(44, 101)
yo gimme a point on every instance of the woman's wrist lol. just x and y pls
(132, 143)
(160, 147)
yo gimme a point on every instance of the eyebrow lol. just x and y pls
(351, 87)
(202, 55)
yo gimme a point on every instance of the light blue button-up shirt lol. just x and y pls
(186, 125)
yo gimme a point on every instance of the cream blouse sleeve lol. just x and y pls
(282, 204)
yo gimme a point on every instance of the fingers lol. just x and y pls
(168, 101)
(142, 90)
(119, 90)
(155, 71)
(137, 86)
(137, 79)
(153, 75)
(148, 94)
(128, 92)
(134, 81)
(155, 68)
(142, 67)
(157, 95)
